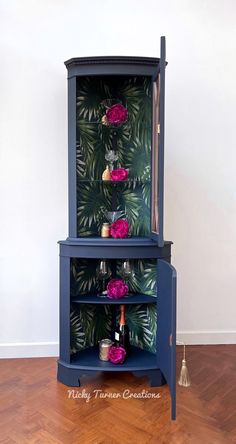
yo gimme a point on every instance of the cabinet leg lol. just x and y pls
(68, 376)
(173, 405)
(156, 379)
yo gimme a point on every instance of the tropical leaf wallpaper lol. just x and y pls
(132, 141)
(94, 140)
(91, 323)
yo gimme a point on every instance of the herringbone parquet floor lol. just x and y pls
(35, 408)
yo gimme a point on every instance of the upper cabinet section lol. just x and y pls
(115, 157)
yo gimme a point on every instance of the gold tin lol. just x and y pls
(104, 347)
(105, 232)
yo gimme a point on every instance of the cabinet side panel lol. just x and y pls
(72, 156)
(65, 309)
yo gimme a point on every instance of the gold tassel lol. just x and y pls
(184, 379)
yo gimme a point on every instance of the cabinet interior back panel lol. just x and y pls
(133, 145)
(91, 323)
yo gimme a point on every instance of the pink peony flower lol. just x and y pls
(116, 355)
(119, 174)
(117, 288)
(117, 114)
(120, 229)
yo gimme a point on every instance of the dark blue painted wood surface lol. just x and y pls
(133, 241)
(166, 321)
(130, 299)
(138, 360)
(65, 309)
(72, 157)
(133, 248)
(112, 65)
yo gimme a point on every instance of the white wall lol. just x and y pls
(200, 191)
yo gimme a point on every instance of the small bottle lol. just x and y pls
(122, 332)
(105, 231)
(106, 175)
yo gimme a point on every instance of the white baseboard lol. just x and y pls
(207, 337)
(47, 349)
(29, 349)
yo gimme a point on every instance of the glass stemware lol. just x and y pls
(111, 157)
(103, 273)
(112, 216)
(127, 270)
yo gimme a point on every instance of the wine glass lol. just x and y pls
(126, 270)
(103, 273)
(112, 216)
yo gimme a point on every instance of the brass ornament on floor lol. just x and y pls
(184, 379)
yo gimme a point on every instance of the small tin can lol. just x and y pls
(104, 347)
(105, 232)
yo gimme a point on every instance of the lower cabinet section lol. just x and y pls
(89, 314)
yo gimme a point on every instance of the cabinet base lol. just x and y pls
(71, 376)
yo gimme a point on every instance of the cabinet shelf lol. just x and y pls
(139, 359)
(99, 124)
(114, 182)
(133, 241)
(130, 299)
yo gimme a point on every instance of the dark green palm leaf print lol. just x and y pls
(91, 323)
(77, 334)
(95, 320)
(133, 148)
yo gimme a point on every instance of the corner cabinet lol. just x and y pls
(116, 173)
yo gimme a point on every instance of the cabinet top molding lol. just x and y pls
(151, 61)
(113, 65)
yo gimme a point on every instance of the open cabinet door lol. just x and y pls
(158, 133)
(166, 327)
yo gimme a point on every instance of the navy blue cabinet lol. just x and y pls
(116, 167)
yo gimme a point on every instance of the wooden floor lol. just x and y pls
(35, 408)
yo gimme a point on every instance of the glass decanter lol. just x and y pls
(111, 157)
